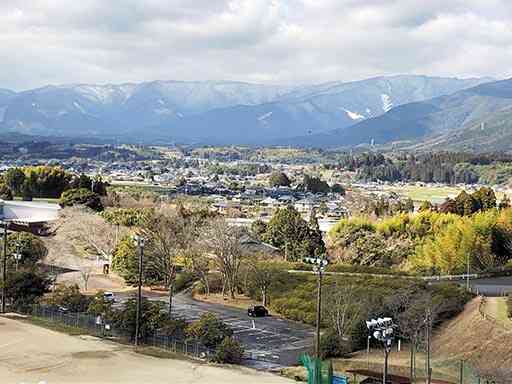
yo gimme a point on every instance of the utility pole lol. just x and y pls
(139, 240)
(319, 266)
(4, 267)
(318, 311)
(428, 331)
(467, 272)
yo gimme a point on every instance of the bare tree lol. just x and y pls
(409, 310)
(85, 274)
(224, 243)
(170, 232)
(90, 231)
(163, 231)
(198, 263)
(343, 308)
(263, 273)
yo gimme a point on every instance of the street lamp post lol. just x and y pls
(17, 255)
(368, 351)
(139, 241)
(383, 330)
(4, 266)
(319, 266)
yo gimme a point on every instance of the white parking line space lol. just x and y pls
(272, 338)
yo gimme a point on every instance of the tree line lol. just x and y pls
(45, 182)
(439, 167)
(438, 240)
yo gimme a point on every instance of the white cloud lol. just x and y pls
(278, 41)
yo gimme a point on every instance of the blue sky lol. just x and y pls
(269, 41)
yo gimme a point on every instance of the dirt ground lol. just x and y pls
(472, 338)
(96, 282)
(31, 354)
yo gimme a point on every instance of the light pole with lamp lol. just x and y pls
(5, 226)
(17, 255)
(383, 330)
(319, 266)
(139, 241)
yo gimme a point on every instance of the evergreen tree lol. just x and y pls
(485, 198)
(466, 204)
(279, 179)
(504, 203)
(316, 242)
(288, 231)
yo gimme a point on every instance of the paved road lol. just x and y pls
(272, 342)
(493, 286)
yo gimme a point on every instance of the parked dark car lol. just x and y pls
(257, 311)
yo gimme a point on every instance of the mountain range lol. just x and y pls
(474, 119)
(222, 112)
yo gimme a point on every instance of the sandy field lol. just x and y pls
(32, 355)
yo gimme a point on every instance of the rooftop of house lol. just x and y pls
(28, 211)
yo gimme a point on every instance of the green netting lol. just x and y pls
(319, 372)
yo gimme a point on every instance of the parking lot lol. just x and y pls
(270, 342)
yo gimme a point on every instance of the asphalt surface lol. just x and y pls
(269, 342)
(493, 286)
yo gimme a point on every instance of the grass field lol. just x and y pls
(433, 194)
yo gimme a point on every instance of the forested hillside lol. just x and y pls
(443, 167)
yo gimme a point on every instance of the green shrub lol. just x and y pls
(332, 345)
(129, 217)
(99, 305)
(152, 318)
(24, 288)
(347, 226)
(83, 197)
(209, 330)
(172, 327)
(183, 280)
(31, 248)
(229, 351)
(69, 297)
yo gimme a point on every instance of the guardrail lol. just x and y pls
(415, 277)
(480, 275)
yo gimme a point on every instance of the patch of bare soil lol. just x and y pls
(472, 338)
(31, 354)
(92, 355)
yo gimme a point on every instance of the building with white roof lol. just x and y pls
(28, 215)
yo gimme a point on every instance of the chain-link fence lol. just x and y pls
(96, 326)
